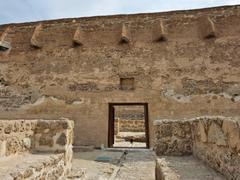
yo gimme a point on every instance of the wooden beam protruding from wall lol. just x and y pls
(161, 33)
(36, 40)
(78, 36)
(207, 27)
(5, 42)
(125, 34)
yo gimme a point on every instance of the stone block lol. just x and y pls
(216, 135)
(5, 41)
(159, 32)
(164, 172)
(4, 45)
(125, 34)
(36, 40)
(8, 128)
(78, 36)
(207, 27)
(232, 130)
(27, 143)
(62, 139)
(3, 148)
(202, 131)
(46, 140)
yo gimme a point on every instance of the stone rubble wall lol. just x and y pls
(217, 142)
(34, 136)
(16, 136)
(124, 125)
(54, 136)
(173, 137)
(213, 139)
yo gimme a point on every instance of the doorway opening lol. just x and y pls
(128, 125)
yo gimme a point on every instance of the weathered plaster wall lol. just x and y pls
(215, 140)
(184, 76)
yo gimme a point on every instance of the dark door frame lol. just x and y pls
(111, 121)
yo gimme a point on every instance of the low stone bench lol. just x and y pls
(35, 149)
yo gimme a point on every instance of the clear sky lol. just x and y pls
(34, 10)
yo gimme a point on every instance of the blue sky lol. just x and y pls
(34, 10)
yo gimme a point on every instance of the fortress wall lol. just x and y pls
(183, 64)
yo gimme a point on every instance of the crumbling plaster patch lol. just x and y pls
(181, 98)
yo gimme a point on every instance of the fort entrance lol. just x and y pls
(122, 97)
(128, 125)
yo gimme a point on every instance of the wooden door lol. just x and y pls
(111, 126)
(146, 124)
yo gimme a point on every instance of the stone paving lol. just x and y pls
(138, 164)
(190, 168)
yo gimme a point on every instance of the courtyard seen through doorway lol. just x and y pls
(128, 125)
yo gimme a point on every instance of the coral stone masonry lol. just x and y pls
(181, 63)
(181, 68)
(215, 140)
(35, 149)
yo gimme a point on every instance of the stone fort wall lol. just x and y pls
(215, 140)
(182, 63)
(36, 149)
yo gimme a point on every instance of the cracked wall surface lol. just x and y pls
(184, 75)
